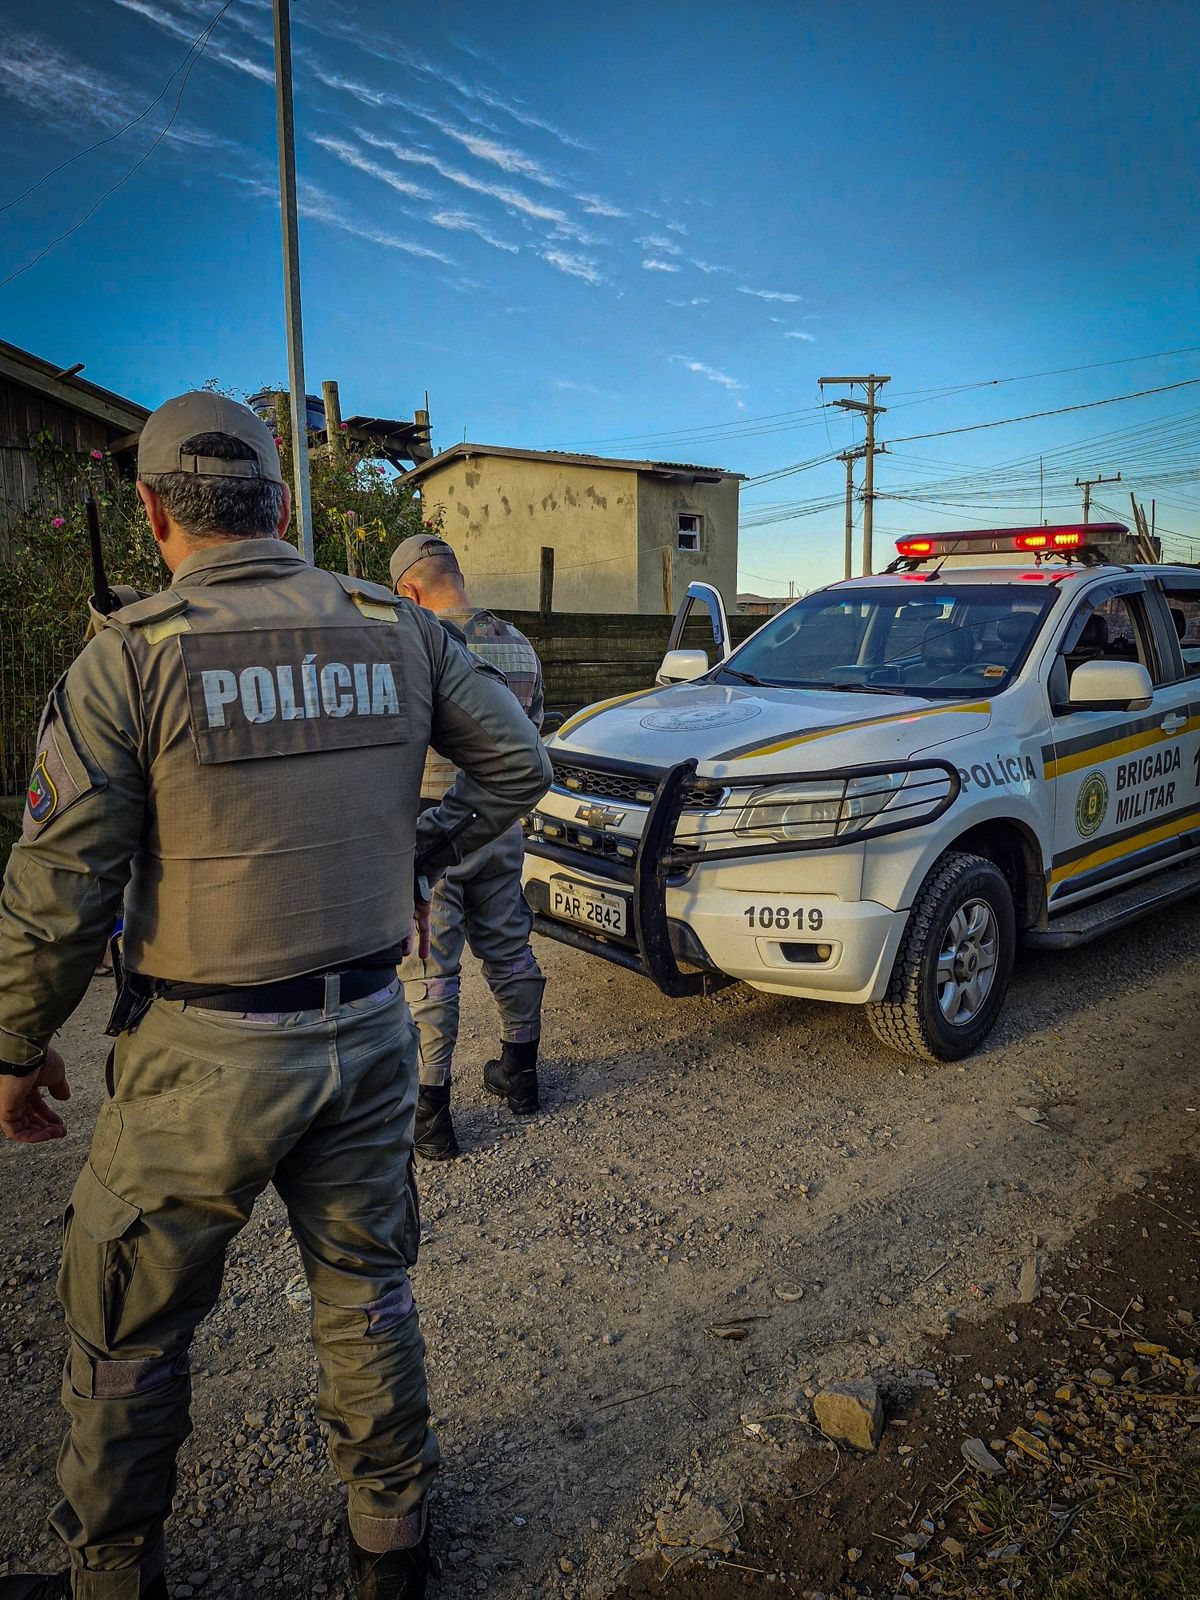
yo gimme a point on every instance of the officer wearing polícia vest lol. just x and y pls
(240, 757)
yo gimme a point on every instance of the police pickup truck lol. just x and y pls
(891, 782)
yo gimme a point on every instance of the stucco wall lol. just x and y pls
(500, 511)
(659, 505)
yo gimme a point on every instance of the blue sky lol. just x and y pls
(648, 230)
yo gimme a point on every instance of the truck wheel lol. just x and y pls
(954, 963)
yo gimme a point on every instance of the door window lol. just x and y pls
(1183, 602)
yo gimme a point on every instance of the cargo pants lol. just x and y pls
(205, 1109)
(478, 903)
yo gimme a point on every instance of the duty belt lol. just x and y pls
(138, 992)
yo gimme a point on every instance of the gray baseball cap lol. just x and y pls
(160, 448)
(415, 549)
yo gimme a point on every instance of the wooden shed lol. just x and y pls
(37, 395)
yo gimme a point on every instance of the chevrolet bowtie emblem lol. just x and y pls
(599, 816)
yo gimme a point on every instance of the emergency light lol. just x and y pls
(998, 541)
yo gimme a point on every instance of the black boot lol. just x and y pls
(514, 1077)
(32, 1586)
(433, 1131)
(394, 1575)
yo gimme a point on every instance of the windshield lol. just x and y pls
(934, 642)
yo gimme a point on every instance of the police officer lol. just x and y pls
(241, 756)
(479, 901)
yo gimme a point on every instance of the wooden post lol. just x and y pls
(546, 589)
(333, 417)
(352, 545)
(668, 607)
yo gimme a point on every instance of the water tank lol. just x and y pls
(263, 404)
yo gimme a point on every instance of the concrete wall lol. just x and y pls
(500, 511)
(659, 503)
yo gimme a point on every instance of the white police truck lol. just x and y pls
(891, 782)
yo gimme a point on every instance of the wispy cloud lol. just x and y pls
(596, 207)
(771, 294)
(651, 265)
(514, 199)
(713, 374)
(796, 333)
(655, 241)
(214, 51)
(463, 223)
(709, 266)
(676, 227)
(574, 265)
(316, 203)
(363, 163)
(696, 300)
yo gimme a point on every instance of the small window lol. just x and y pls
(689, 531)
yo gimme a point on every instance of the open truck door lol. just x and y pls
(681, 665)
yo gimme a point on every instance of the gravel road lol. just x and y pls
(741, 1157)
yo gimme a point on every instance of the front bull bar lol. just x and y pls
(655, 863)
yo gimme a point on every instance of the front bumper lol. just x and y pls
(695, 923)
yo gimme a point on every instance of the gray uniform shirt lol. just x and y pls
(240, 757)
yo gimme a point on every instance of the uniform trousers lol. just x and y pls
(479, 903)
(205, 1109)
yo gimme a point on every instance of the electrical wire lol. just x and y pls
(198, 51)
(132, 123)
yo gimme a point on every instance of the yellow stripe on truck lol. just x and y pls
(1127, 847)
(1095, 754)
(588, 712)
(981, 707)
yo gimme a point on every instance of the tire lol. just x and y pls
(940, 1010)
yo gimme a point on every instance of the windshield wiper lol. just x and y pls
(746, 677)
(867, 688)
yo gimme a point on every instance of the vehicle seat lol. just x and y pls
(945, 650)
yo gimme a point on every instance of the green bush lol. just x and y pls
(361, 511)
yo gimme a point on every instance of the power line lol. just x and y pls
(132, 123)
(1058, 411)
(747, 427)
(140, 162)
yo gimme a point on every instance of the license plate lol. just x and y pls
(579, 902)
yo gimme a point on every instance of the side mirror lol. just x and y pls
(1111, 686)
(682, 666)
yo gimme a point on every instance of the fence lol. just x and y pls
(588, 657)
(585, 658)
(30, 665)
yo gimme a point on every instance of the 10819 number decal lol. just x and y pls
(783, 918)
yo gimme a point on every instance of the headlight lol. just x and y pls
(825, 809)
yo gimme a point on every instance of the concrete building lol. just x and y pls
(627, 536)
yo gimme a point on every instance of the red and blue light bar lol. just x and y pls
(996, 541)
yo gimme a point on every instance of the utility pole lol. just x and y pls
(1087, 485)
(850, 457)
(872, 384)
(291, 274)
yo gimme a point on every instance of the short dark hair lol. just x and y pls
(440, 566)
(236, 508)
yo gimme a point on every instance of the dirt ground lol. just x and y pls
(744, 1157)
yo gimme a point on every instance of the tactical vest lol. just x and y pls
(492, 640)
(285, 715)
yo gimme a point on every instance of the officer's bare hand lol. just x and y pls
(422, 913)
(24, 1115)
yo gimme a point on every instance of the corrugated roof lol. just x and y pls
(466, 451)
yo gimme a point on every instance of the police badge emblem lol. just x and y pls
(42, 797)
(1091, 804)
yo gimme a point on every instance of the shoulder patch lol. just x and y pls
(151, 609)
(58, 778)
(372, 599)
